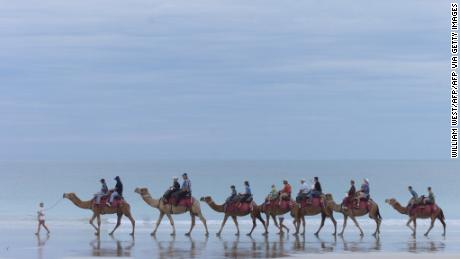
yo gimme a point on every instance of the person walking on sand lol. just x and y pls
(41, 219)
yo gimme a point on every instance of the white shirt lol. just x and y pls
(304, 188)
(41, 213)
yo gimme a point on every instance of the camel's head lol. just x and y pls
(391, 201)
(69, 195)
(329, 197)
(142, 191)
(206, 199)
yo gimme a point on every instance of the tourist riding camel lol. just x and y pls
(273, 195)
(172, 189)
(117, 192)
(103, 192)
(232, 210)
(191, 205)
(351, 195)
(304, 191)
(430, 198)
(424, 211)
(364, 191)
(414, 200)
(185, 190)
(246, 196)
(285, 193)
(119, 207)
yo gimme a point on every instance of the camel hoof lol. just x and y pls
(187, 234)
(153, 234)
(426, 234)
(265, 234)
(341, 234)
(248, 234)
(131, 234)
(362, 234)
(173, 234)
(206, 234)
(316, 234)
(334, 234)
(96, 234)
(218, 234)
(111, 234)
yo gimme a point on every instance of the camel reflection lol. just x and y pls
(414, 246)
(254, 249)
(168, 249)
(361, 246)
(107, 249)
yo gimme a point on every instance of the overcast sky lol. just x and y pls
(239, 79)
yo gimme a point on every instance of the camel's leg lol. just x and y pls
(345, 218)
(443, 225)
(323, 218)
(259, 217)
(357, 225)
(335, 224)
(431, 226)
(303, 225)
(408, 224)
(297, 225)
(133, 222)
(267, 216)
(91, 221)
(192, 225)
(98, 224)
(158, 223)
(254, 224)
(235, 220)
(415, 226)
(118, 223)
(277, 224)
(171, 222)
(203, 220)
(223, 224)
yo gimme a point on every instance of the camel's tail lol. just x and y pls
(441, 215)
(378, 214)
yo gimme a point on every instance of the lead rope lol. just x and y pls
(55, 204)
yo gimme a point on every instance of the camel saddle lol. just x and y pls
(363, 203)
(314, 202)
(105, 199)
(276, 204)
(185, 201)
(238, 207)
(423, 209)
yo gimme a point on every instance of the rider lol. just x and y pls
(173, 188)
(118, 191)
(247, 195)
(185, 190)
(304, 191)
(317, 190)
(102, 193)
(430, 199)
(232, 198)
(273, 195)
(364, 191)
(351, 194)
(285, 193)
(414, 200)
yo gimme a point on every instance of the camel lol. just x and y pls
(274, 212)
(123, 209)
(299, 216)
(352, 213)
(433, 215)
(168, 209)
(255, 214)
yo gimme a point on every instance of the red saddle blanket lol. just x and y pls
(105, 199)
(239, 207)
(276, 204)
(185, 202)
(314, 202)
(424, 209)
(351, 203)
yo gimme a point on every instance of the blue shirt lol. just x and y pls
(248, 190)
(187, 185)
(414, 194)
(365, 188)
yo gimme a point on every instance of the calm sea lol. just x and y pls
(25, 184)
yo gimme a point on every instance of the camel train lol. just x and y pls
(323, 205)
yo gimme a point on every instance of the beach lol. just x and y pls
(76, 240)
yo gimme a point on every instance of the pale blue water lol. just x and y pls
(24, 184)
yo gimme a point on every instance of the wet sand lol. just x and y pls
(76, 240)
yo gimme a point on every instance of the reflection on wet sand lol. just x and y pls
(361, 246)
(107, 248)
(171, 249)
(41, 242)
(254, 249)
(424, 246)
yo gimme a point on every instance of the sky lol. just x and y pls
(206, 79)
